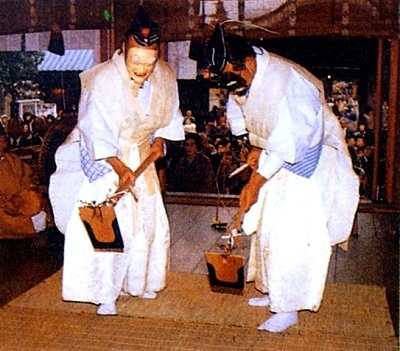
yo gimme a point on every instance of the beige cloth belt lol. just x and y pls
(133, 155)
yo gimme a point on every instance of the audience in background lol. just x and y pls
(21, 204)
(193, 172)
(222, 150)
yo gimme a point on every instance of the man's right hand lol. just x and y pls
(252, 158)
(126, 176)
(250, 192)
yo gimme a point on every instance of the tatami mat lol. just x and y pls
(188, 316)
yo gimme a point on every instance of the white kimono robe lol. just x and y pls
(295, 219)
(112, 122)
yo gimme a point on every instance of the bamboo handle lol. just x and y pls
(238, 218)
(142, 167)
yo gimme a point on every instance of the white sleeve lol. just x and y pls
(173, 131)
(235, 118)
(269, 164)
(100, 133)
(298, 125)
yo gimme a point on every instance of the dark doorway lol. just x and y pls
(61, 87)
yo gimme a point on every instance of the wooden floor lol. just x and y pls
(372, 257)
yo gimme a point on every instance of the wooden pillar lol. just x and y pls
(191, 17)
(241, 16)
(378, 119)
(112, 27)
(33, 19)
(107, 41)
(72, 14)
(393, 111)
(292, 17)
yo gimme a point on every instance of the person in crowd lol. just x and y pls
(368, 118)
(347, 127)
(365, 157)
(207, 147)
(50, 119)
(28, 118)
(213, 115)
(189, 114)
(55, 135)
(21, 214)
(15, 132)
(360, 142)
(339, 107)
(364, 132)
(189, 126)
(303, 179)
(228, 185)
(211, 130)
(128, 106)
(216, 159)
(352, 149)
(223, 129)
(27, 136)
(193, 172)
(366, 168)
(39, 128)
(4, 123)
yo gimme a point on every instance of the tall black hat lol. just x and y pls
(219, 49)
(144, 30)
(216, 51)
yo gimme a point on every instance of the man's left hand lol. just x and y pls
(250, 192)
(157, 148)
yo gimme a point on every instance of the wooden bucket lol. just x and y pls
(225, 272)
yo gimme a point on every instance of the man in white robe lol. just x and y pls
(128, 106)
(303, 193)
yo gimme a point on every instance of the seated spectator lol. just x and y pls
(193, 172)
(365, 162)
(352, 148)
(216, 159)
(211, 130)
(189, 126)
(28, 118)
(55, 135)
(223, 130)
(27, 136)
(4, 123)
(363, 132)
(189, 114)
(15, 132)
(339, 107)
(208, 148)
(227, 185)
(39, 128)
(213, 115)
(360, 142)
(50, 119)
(21, 205)
(368, 118)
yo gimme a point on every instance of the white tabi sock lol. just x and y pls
(149, 295)
(107, 309)
(259, 301)
(279, 322)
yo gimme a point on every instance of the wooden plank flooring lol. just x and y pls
(372, 257)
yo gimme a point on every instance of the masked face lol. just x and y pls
(234, 83)
(140, 61)
(237, 81)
